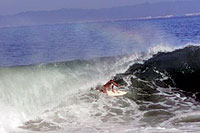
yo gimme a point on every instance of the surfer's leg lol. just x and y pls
(104, 90)
(112, 88)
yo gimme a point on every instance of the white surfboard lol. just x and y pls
(117, 93)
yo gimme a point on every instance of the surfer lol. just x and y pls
(109, 85)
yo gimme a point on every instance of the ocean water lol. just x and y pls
(47, 72)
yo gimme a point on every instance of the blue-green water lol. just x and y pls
(52, 91)
(50, 43)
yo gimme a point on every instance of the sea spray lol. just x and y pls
(28, 90)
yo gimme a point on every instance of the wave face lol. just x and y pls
(165, 88)
(53, 96)
(58, 97)
(27, 91)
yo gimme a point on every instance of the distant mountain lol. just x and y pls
(147, 10)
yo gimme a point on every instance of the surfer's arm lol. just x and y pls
(115, 84)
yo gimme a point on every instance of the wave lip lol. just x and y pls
(182, 67)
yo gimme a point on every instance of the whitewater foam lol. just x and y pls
(31, 89)
(35, 91)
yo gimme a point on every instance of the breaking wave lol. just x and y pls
(57, 97)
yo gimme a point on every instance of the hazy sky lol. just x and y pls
(16, 6)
